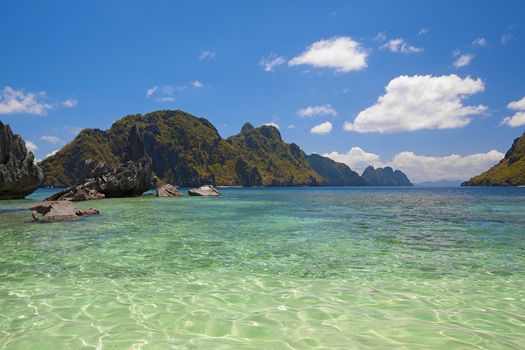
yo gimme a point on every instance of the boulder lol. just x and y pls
(206, 190)
(164, 189)
(59, 211)
(168, 190)
(131, 178)
(19, 175)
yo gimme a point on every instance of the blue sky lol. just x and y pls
(451, 68)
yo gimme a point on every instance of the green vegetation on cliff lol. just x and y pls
(335, 174)
(510, 171)
(187, 151)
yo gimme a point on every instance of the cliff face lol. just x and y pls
(334, 173)
(385, 177)
(19, 175)
(187, 151)
(510, 171)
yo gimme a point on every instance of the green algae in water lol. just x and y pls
(270, 269)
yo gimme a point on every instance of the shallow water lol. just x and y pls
(294, 268)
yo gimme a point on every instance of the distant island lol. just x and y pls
(188, 151)
(510, 171)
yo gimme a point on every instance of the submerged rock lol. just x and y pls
(19, 175)
(59, 211)
(130, 179)
(206, 190)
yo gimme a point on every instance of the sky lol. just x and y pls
(434, 88)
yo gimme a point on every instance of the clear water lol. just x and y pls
(270, 269)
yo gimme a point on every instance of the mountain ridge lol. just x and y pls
(189, 151)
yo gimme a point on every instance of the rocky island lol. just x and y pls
(510, 171)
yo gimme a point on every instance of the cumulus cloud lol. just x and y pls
(517, 105)
(270, 62)
(313, 111)
(401, 46)
(51, 139)
(421, 168)
(451, 167)
(463, 59)
(13, 101)
(70, 103)
(518, 119)
(274, 124)
(207, 55)
(291, 126)
(356, 158)
(196, 84)
(340, 53)
(322, 129)
(420, 102)
(30, 145)
(480, 42)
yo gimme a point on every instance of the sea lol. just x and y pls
(269, 268)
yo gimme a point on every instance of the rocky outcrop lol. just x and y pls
(335, 174)
(19, 175)
(206, 190)
(59, 211)
(510, 171)
(385, 177)
(168, 190)
(132, 178)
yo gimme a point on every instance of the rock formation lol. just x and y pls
(385, 177)
(19, 175)
(335, 174)
(59, 211)
(206, 190)
(510, 171)
(131, 178)
(165, 190)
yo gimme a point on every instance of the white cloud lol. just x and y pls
(30, 145)
(270, 62)
(340, 53)
(164, 93)
(196, 84)
(451, 167)
(291, 126)
(401, 46)
(312, 111)
(207, 55)
(14, 101)
(51, 139)
(518, 119)
(51, 153)
(422, 31)
(420, 102)
(274, 124)
(356, 158)
(480, 42)
(322, 129)
(462, 59)
(70, 103)
(422, 168)
(517, 105)
(151, 91)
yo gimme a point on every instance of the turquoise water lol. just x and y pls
(300, 268)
